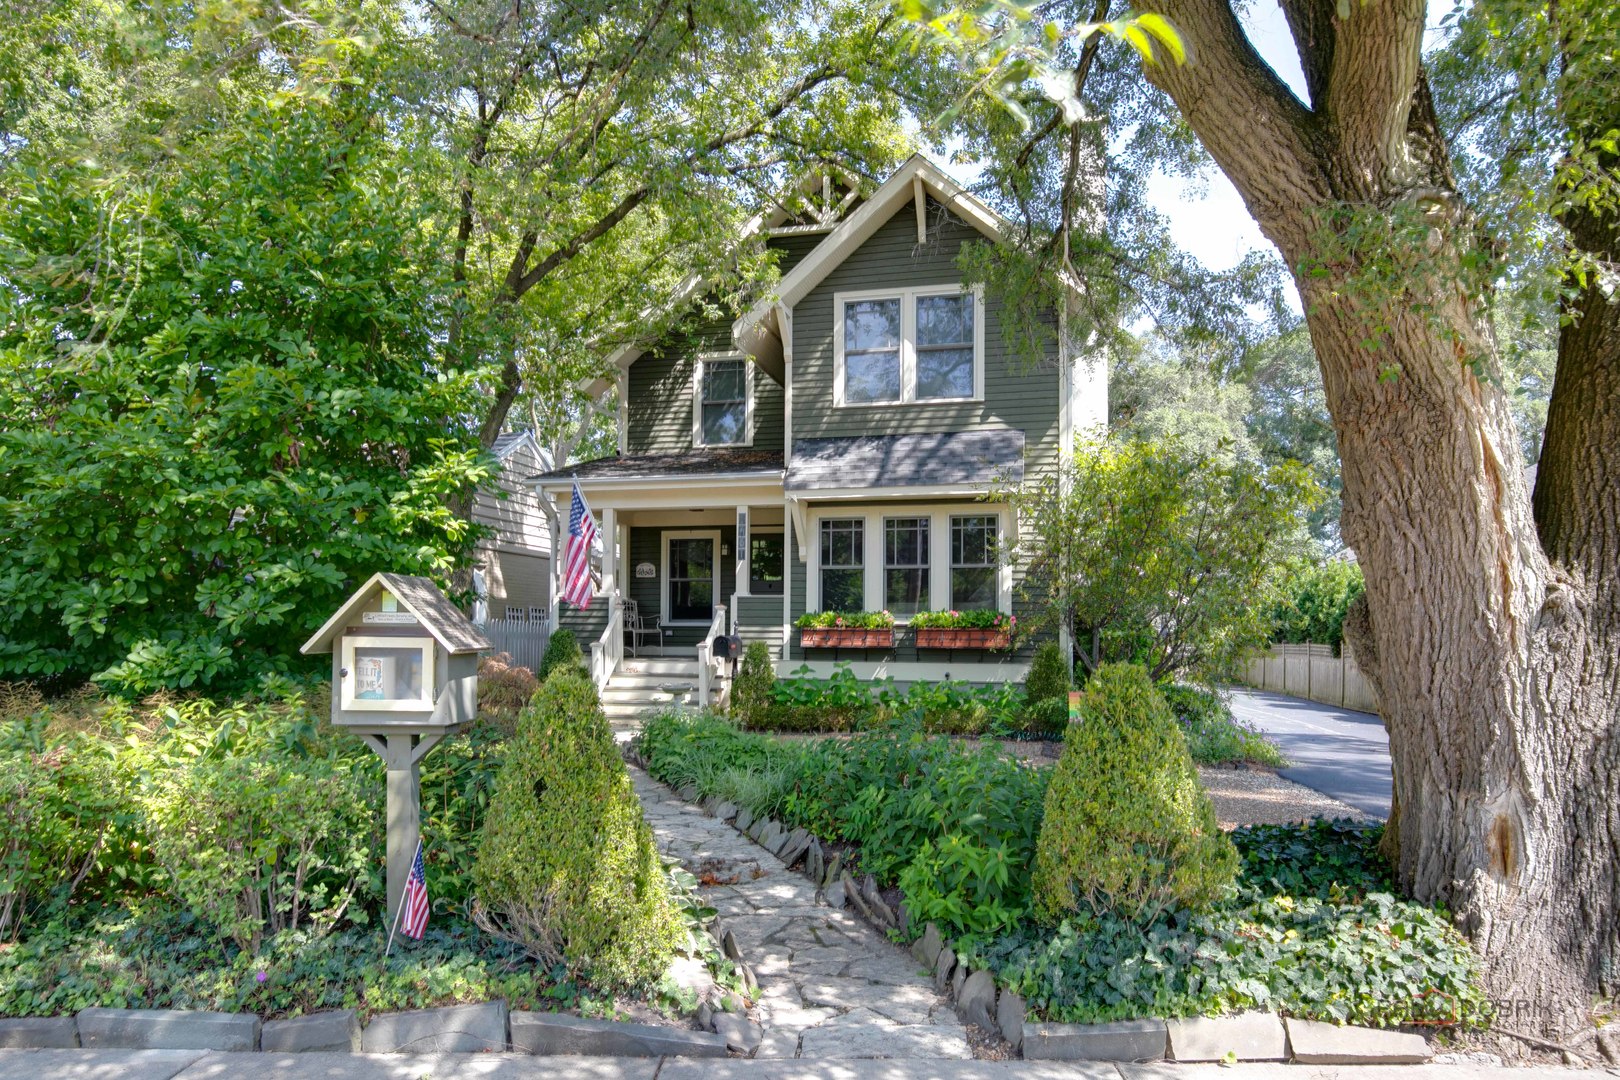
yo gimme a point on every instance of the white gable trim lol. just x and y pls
(756, 332)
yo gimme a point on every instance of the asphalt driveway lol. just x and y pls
(1339, 752)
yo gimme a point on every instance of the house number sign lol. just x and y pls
(646, 569)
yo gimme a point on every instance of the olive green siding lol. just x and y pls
(1015, 395)
(660, 396)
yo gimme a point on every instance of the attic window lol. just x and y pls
(907, 346)
(723, 388)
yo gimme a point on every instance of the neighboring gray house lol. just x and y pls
(516, 556)
(829, 450)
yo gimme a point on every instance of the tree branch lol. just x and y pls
(1377, 54)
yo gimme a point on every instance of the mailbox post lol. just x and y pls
(404, 675)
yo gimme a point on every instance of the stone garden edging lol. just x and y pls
(485, 1026)
(1251, 1036)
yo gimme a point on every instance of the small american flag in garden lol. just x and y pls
(414, 904)
(577, 586)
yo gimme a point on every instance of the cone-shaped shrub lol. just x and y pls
(1127, 825)
(751, 692)
(566, 865)
(562, 651)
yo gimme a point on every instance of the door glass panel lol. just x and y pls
(765, 559)
(691, 579)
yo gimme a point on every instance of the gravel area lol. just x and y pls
(1261, 797)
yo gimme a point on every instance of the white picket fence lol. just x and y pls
(524, 639)
(1312, 672)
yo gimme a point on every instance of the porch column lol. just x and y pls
(744, 528)
(610, 550)
(789, 556)
(554, 564)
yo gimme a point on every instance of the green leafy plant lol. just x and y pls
(845, 620)
(562, 651)
(504, 688)
(1214, 736)
(566, 865)
(978, 619)
(1311, 602)
(1127, 826)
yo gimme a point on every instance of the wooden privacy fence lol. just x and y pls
(1312, 672)
(524, 639)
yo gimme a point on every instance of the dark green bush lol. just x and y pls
(1050, 675)
(751, 692)
(1047, 719)
(1127, 826)
(1311, 603)
(562, 650)
(566, 865)
(1311, 930)
(841, 702)
(1214, 736)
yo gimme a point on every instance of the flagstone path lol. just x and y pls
(830, 986)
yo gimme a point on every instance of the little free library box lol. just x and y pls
(404, 659)
(404, 675)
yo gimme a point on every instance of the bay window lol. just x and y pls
(843, 564)
(905, 566)
(973, 562)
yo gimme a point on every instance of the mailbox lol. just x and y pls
(727, 647)
(404, 659)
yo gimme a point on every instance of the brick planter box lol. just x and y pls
(843, 637)
(936, 637)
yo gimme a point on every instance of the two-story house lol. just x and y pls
(831, 449)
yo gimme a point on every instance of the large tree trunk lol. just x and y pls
(1495, 658)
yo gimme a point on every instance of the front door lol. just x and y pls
(691, 578)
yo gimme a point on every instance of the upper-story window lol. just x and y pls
(908, 345)
(722, 391)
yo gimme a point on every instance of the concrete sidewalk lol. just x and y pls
(213, 1065)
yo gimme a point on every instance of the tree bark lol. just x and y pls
(1495, 659)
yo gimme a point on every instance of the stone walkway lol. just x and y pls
(830, 986)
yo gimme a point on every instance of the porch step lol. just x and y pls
(652, 680)
(644, 685)
(658, 665)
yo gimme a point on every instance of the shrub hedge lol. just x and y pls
(566, 862)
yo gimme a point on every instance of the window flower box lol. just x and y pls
(931, 637)
(845, 637)
(846, 630)
(991, 631)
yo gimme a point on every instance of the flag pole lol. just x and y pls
(400, 910)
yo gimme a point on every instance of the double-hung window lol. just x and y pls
(721, 409)
(905, 566)
(910, 346)
(843, 564)
(973, 562)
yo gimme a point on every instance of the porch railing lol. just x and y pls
(608, 650)
(705, 655)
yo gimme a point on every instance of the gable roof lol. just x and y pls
(758, 333)
(508, 444)
(421, 598)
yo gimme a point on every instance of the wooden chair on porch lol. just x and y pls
(638, 626)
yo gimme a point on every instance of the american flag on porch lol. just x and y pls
(577, 585)
(414, 918)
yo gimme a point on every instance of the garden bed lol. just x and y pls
(1312, 927)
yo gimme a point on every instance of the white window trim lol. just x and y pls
(697, 399)
(424, 703)
(688, 534)
(883, 583)
(939, 557)
(908, 343)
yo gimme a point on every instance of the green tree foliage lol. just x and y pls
(1127, 826)
(221, 404)
(751, 692)
(1311, 602)
(1152, 553)
(566, 865)
(562, 651)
